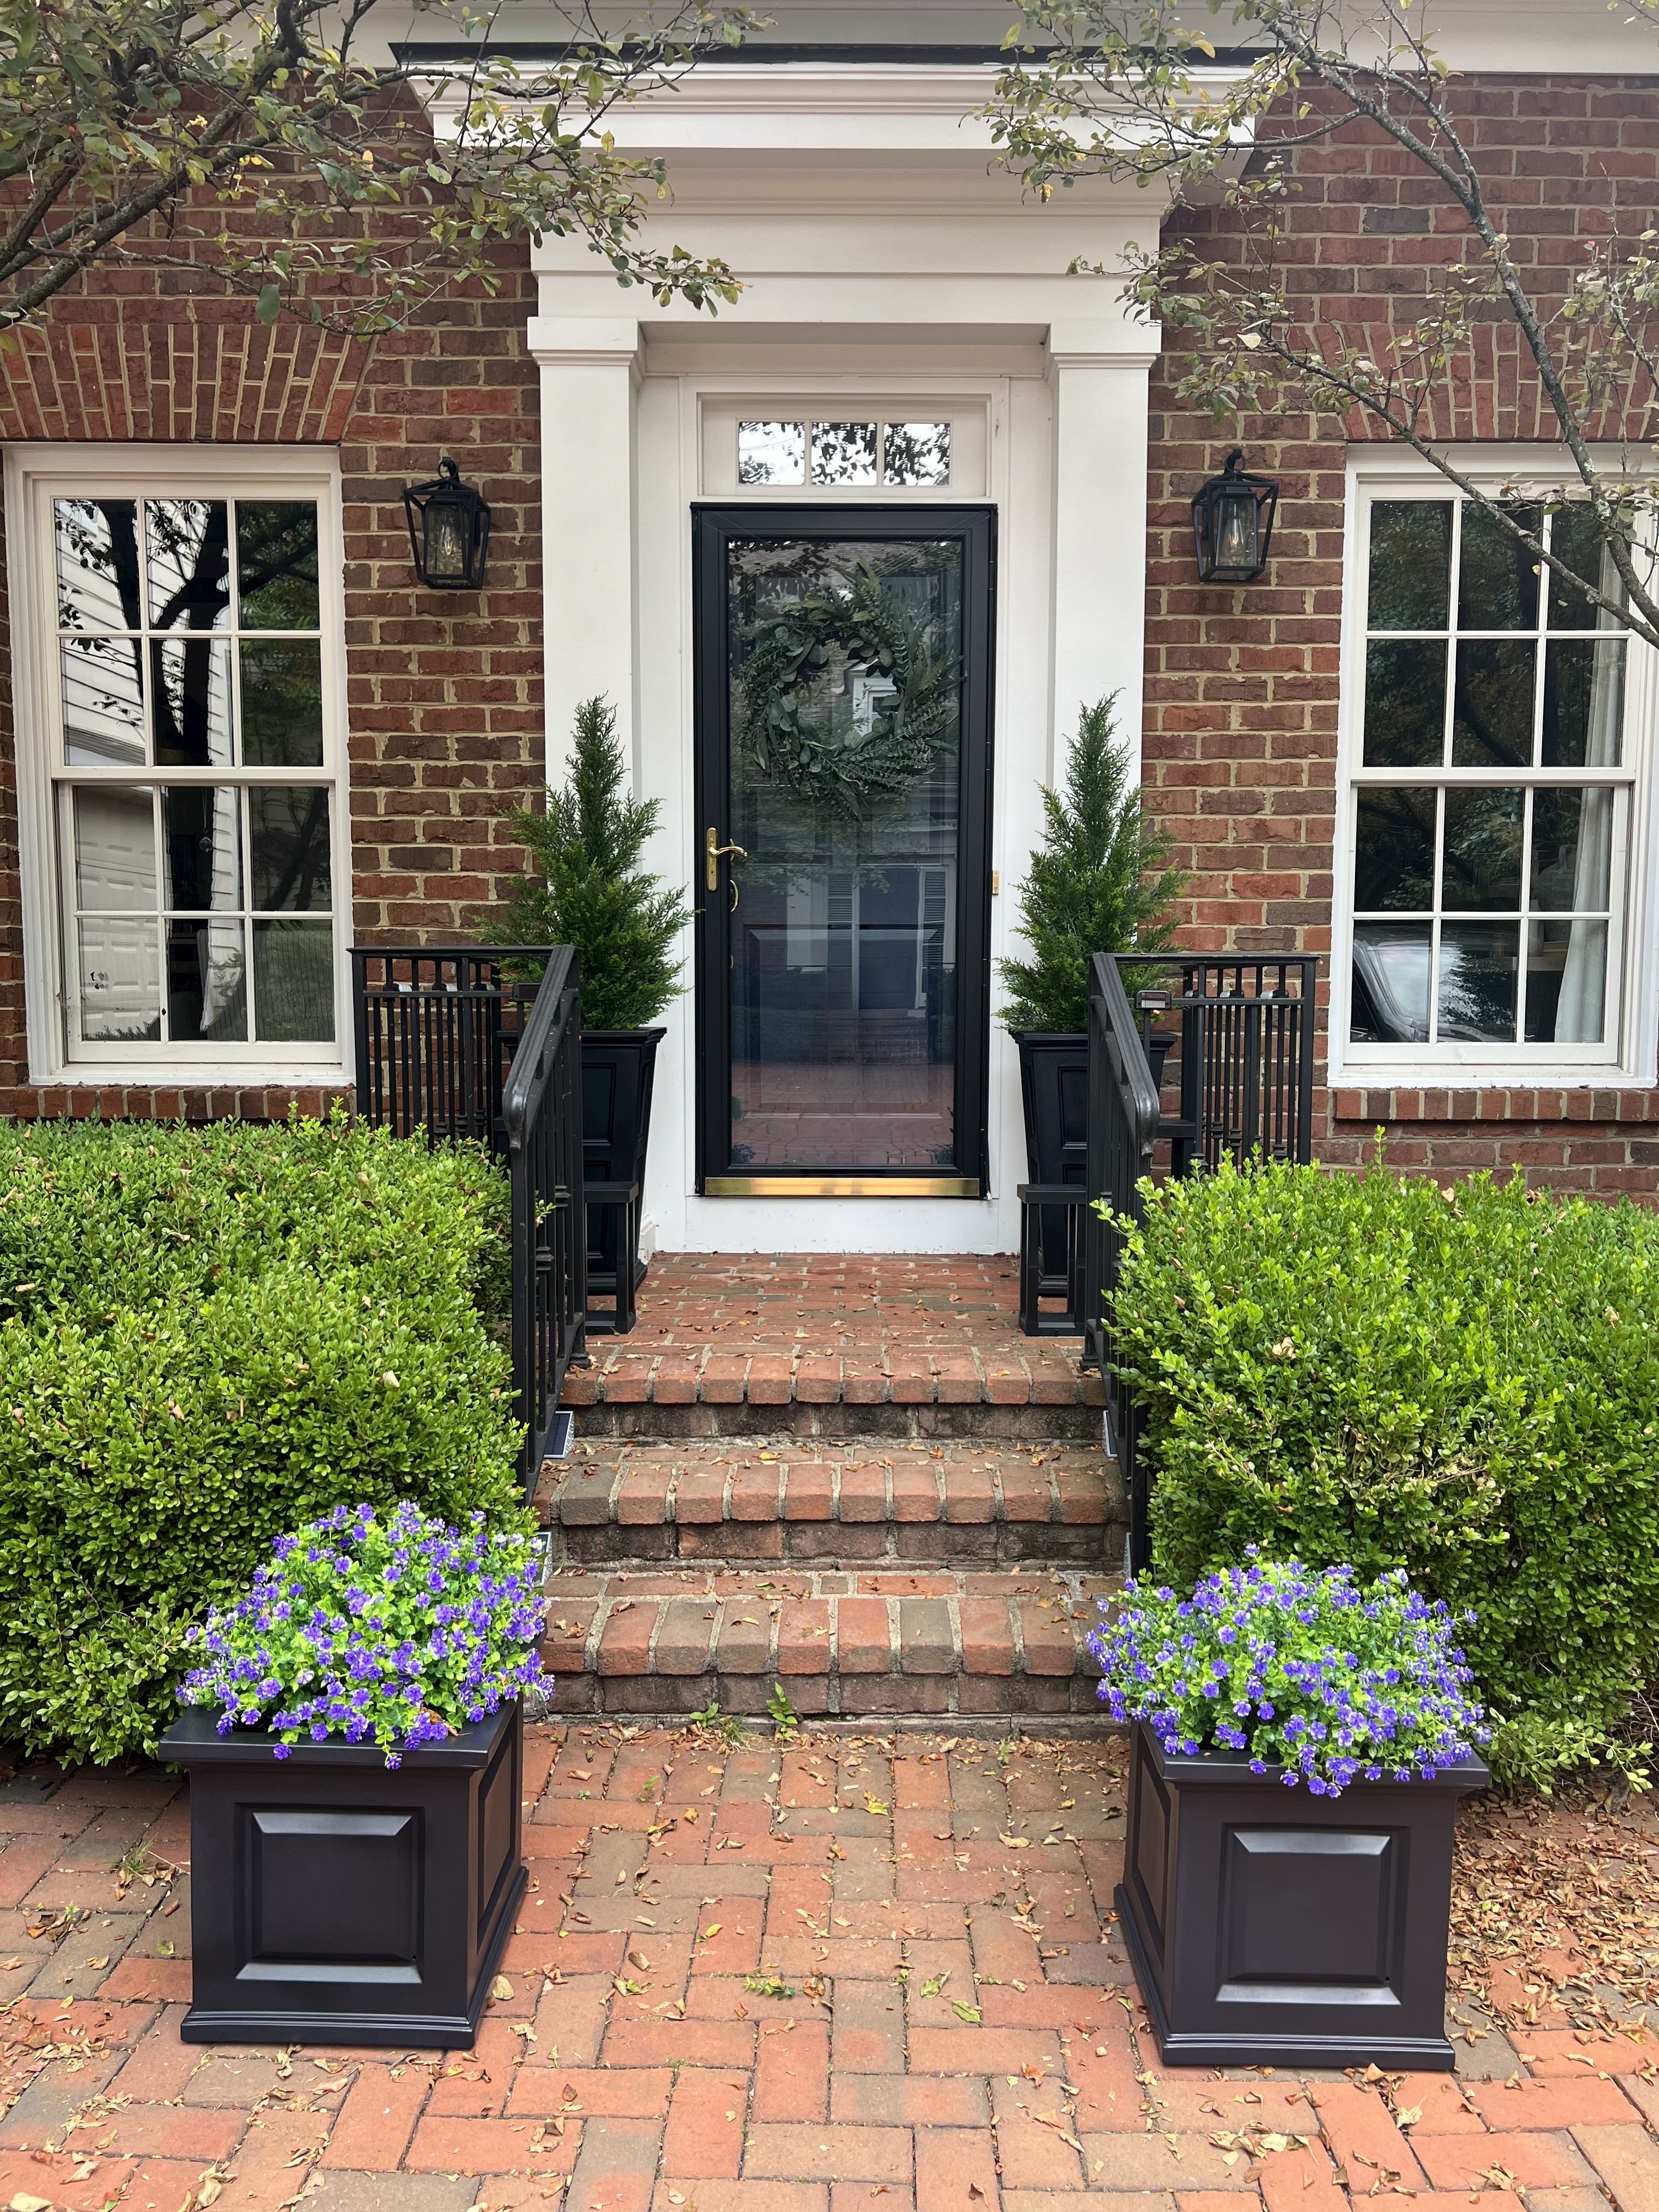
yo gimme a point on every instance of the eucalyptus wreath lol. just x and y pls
(845, 768)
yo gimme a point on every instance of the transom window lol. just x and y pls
(873, 451)
(1492, 796)
(192, 760)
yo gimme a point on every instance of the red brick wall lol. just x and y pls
(1241, 721)
(443, 689)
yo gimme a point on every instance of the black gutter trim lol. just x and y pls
(409, 51)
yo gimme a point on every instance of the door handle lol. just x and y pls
(713, 849)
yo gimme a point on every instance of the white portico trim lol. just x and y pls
(885, 270)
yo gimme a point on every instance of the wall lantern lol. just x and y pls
(1232, 522)
(448, 531)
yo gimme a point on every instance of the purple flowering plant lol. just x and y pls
(395, 1631)
(1299, 1668)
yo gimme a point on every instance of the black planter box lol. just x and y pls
(1269, 1927)
(336, 1900)
(1053, 1082)
(619, 1072)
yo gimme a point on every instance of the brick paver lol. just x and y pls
(842, 1970)
(897, 1333)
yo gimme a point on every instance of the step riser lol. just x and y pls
(830, 1544)
(870, 1643)
(818, 1696)
(842, 1422)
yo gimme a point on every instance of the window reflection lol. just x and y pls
(188, 639)
(847, 668)
(1474, 860)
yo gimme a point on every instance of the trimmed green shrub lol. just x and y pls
(588, 889)
(1098, 884)
(209, 1336)
(1462, 1383)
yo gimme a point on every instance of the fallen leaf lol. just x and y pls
(501, 1987)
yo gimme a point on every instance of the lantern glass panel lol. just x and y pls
(446, 542)
(1235, 530)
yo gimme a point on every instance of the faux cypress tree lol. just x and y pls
(1099, 885)
(588, 889)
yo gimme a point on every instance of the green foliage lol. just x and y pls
(588, 889)
(1462, 1383)
(785, 1719)
(1091, 88)
(208, 1336)
(731, 1727)
(315, 145)
(1099, 885)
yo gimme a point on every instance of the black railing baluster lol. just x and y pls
(1123, 1123)
(541, 1111)
(1246, 1049)
(436, 1052)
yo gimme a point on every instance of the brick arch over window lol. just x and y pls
(180, 381)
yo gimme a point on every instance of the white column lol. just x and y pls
(588, 370)
(1100, 523)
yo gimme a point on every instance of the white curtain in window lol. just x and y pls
(1581, 1011)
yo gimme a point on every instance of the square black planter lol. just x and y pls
(1269, 1927)
(336, 1900)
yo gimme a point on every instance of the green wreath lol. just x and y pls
(845, 770)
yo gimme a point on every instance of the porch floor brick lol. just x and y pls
(925, 1345)
(785, 2038)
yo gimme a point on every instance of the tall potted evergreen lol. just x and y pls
(586, 888)
(1100, 882)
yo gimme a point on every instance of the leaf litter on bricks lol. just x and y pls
(1556, 1900)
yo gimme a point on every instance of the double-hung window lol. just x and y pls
(1494, 766)
(180, 737)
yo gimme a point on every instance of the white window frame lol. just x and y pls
(35, 476)
(1627, 1056)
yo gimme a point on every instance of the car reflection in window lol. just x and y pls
(1391, 962)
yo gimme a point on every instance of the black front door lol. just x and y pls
(843, 736)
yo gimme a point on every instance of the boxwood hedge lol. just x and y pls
(208, 1335)
(1461, 1381)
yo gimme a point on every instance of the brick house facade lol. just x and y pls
(568, 407)
(446, 722)
(1244, 683)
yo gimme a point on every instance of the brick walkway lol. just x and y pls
(846, 1977)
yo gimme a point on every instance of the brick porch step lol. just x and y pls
(840, 1644)
(832, 1345)
(823, 1504)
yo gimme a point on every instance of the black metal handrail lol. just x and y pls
(459, 1042)
(542, 1110)
(1123, 1125)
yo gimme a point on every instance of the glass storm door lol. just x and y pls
(843, 759)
